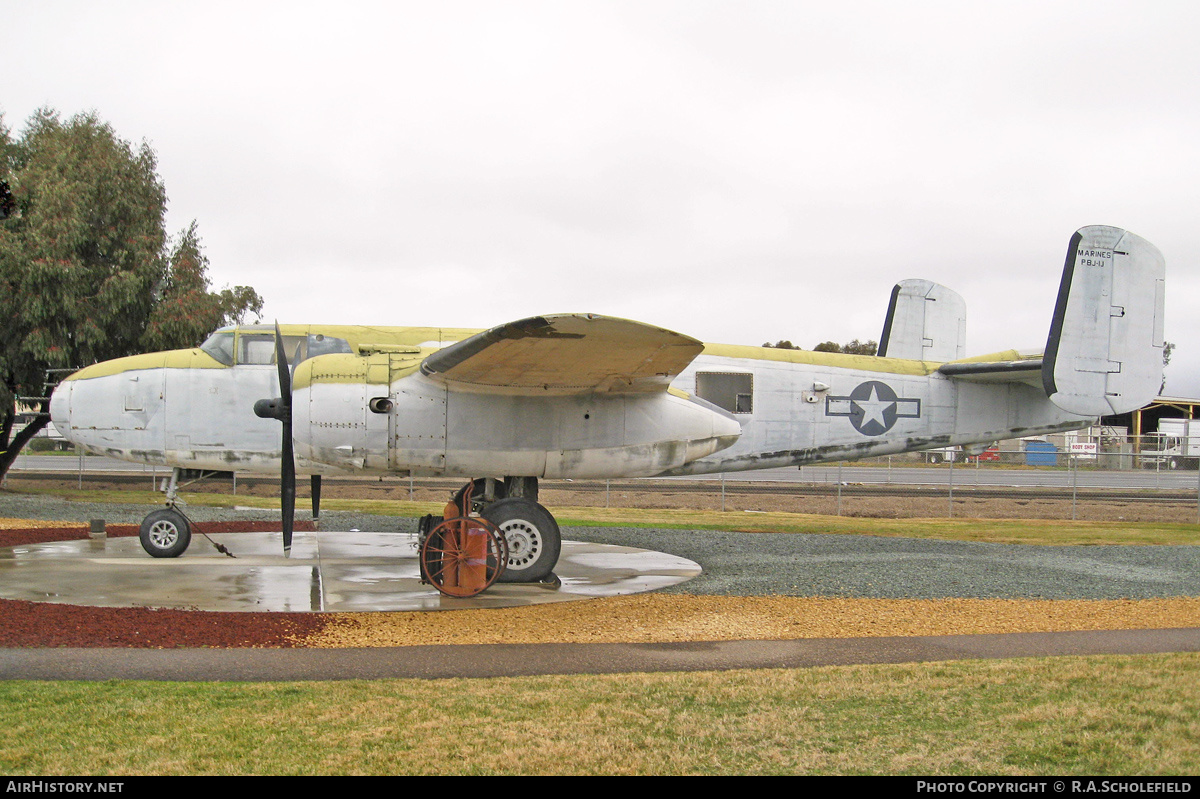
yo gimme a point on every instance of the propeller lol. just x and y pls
(281, 408)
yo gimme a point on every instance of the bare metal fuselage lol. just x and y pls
(801, 408)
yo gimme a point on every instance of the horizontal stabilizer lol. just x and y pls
(1104, 353)
(1001, 367)
(926, 322)
(565, 354)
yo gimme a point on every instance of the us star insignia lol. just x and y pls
(873, 408)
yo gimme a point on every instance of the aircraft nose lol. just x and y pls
(60, 407)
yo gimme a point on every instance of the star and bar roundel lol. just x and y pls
(873, 408)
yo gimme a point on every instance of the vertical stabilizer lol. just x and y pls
(925, 321)
(1104, 353)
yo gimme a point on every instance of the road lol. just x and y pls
(511, 660)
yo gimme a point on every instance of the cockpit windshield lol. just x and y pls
(220, 346)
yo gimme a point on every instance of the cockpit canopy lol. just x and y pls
(255, 344)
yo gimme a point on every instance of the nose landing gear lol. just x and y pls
(166, 533)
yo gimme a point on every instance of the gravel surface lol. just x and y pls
(758, 564)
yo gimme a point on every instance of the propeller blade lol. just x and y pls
(287, 489)
(287, 471)
(281, 362)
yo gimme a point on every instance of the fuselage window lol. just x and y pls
(255, 349)
(729, 390)
(326, 345)
(260, 348)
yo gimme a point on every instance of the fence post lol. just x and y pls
(1157, 466)
(1074, 463)
(839, 482)
(950, 490)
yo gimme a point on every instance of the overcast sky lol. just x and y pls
(737, 171)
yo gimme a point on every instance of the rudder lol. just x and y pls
(1104, 352)
(925, 321)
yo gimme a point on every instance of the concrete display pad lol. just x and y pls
(327, 572)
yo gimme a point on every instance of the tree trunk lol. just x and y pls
(9, 455)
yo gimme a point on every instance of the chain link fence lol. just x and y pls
(1080, 477)
(1085, 476)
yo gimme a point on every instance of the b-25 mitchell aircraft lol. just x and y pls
(594, 397)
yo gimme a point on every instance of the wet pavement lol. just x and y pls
(327, 572)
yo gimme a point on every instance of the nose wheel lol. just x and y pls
(165, 533)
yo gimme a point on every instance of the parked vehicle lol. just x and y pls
(1178, 445)
(955, 454)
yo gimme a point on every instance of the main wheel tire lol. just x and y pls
(165, 533)
(534, 541)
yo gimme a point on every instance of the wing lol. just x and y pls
(564, 354)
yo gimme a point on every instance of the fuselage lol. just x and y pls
(361, 403)
(799, 407)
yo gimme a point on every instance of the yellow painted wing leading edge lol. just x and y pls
(565, 354)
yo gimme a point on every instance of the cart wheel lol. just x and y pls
(462, 557)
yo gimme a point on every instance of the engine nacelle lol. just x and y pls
(376, 413)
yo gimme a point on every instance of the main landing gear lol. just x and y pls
(529, 530)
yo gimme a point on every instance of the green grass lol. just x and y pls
(1077, 715)
(1003, 531)
(1096, 715)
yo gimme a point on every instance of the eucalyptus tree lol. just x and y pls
(87, 270)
